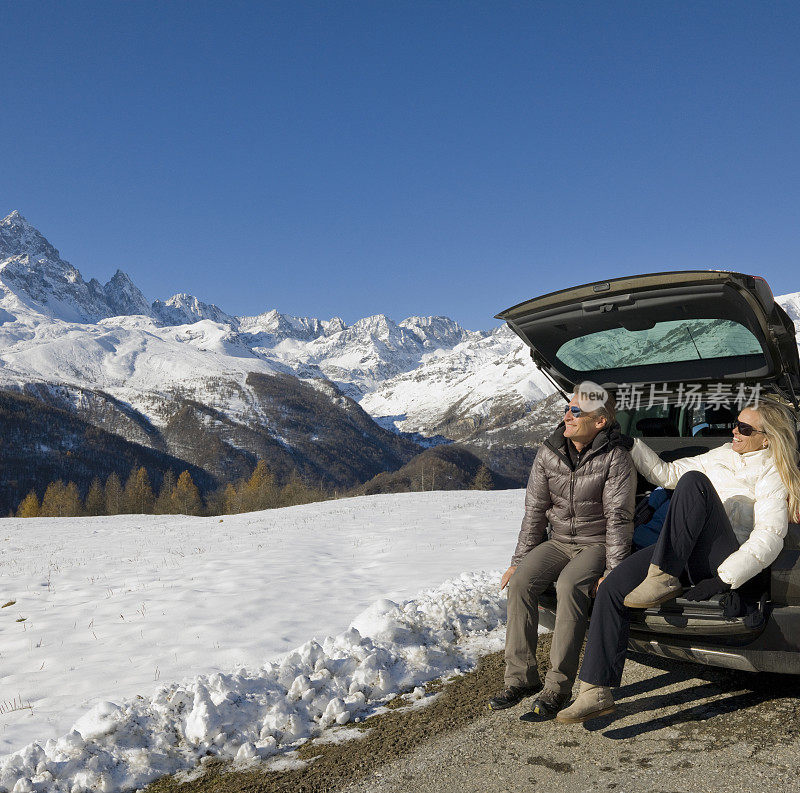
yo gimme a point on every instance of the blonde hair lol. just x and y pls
(780, 428)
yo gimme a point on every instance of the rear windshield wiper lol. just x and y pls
(686, 328)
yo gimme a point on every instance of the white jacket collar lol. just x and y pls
(758, 456)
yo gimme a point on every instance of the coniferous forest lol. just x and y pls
(175, 496)
(181, 496)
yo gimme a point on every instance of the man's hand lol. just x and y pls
(593, 590)
(706, 588)
(507, 577)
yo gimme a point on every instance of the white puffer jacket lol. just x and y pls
(752, 492)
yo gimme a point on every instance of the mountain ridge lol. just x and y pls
(426, 379)
(197, 384)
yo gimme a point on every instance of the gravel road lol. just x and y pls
(678, 727)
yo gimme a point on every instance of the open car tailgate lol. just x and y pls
(695, 326)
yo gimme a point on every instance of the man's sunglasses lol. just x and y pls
(746, 429)
(574, 409)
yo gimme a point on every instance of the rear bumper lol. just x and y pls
(729, 659)
(743, 659)
(776, 648)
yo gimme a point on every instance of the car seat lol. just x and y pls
(720, 422)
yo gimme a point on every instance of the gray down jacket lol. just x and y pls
(589, 503)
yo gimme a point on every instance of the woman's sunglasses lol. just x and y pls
(746, 429)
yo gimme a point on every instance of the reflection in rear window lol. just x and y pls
(665, 342)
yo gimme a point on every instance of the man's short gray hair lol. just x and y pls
(608, 411)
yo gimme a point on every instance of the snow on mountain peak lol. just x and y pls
(334, 325)
(281, 327)
(33, 270)
(19, 238)
(436, 331)
(183, 309)
(378, 324)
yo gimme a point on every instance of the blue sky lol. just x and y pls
(352, 158)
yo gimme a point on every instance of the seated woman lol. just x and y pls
(726, 522)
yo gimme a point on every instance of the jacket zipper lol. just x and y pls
(566, 459)
(572, 503)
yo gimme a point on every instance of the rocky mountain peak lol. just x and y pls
(436, 331)
(184, 309)
(377, 324)
(20, 238)
(33, 269)
(334, 325)
(124, 297)
(282, 326)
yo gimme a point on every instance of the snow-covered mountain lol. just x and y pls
(193, 382)
(360, 357)
(458, 393)
(271, 328)
(424, 375)
(34, 278)
(32, 270)
(58, 328)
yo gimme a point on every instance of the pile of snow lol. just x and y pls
(213, 608)
(246, 716)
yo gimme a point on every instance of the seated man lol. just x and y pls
(584, 484)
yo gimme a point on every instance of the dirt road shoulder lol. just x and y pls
(678, 727)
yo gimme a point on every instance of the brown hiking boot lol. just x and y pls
(658, 587)
(512, 695)
(592, 701)
(545, 706)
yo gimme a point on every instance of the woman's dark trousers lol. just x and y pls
(696, 538)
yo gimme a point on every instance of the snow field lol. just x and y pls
(218, 607)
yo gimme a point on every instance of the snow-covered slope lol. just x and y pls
(123, 355)
(104, 693)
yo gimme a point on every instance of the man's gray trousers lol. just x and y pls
(575, 568)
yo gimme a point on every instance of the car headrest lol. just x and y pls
(654, 427)
(720, 420)
(720, 415)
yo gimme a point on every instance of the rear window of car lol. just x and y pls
(664, 342)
